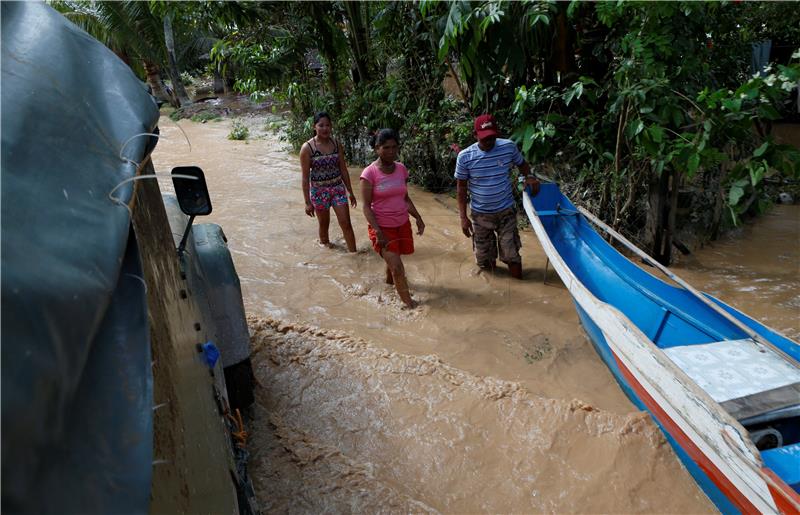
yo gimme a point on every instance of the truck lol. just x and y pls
(126, 374)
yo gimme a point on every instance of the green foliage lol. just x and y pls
(205, 116)
(607, 96)
(239, 131)
(653, 112)
(496, 44)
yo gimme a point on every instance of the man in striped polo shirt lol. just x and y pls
(483, 170)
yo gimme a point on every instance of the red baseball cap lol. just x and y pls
(485, 126)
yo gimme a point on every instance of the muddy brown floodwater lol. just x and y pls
(486, 398)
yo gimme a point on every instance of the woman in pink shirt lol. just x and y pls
(386, 206)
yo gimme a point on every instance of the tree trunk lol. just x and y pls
(154, 81)
(174, 72)
(564, 52)
(672, 215)
(219, 83)
(664, 204)
(326, 26)
(357, 39)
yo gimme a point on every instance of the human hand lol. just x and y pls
(420, 226)
(382, 242)
(309, 209)
(353, 201)
(466, 227)
(532, 184)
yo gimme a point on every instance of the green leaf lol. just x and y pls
(735, 194)
(768, 112)
(760, 150)
(677, 117)
(756, 174)
(693, 163)
(574, 92)
(634, 128)
(734, 217)
(527, 139)
(573, 6)
(444, 47)
(733, 104)
(656, 133)
(540, 18)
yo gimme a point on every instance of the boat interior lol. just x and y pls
(757, 384)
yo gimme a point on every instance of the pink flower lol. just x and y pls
(455, 148)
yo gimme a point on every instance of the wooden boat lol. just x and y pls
(724, 389)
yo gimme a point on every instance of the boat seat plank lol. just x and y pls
(734, 369)
(658, 325)
(555, 212)
(769, 401)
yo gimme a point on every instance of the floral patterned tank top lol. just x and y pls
(324, 167)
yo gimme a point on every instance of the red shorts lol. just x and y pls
(401, 240)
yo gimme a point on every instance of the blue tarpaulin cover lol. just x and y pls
(76, 373)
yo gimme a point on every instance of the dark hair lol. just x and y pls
(320, 115)
(382, 136)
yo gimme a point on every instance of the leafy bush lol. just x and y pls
(186, 79)
(205, 116)
(239, 131)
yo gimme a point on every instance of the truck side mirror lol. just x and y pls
(192, 192)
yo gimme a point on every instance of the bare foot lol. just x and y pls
(411, 304)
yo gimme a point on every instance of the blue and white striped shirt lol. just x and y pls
(487, 172)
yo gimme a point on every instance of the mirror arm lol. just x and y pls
(182, 245)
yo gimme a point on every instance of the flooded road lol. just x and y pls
(487, 397)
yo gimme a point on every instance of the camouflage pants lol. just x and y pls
(493, 231)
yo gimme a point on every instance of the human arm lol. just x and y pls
(366, 208)
(305, 168)
(412, 210)
(461, 195)
(346, 178)
(530, 179)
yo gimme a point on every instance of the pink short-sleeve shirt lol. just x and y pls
(388, 194)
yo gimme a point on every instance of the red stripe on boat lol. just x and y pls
(786, 499)
(711, 470)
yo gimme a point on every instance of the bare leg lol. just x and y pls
(343, 215)
(490, 267)
(395, 265)
(516, 270)
(324, 220)
(389, 278)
